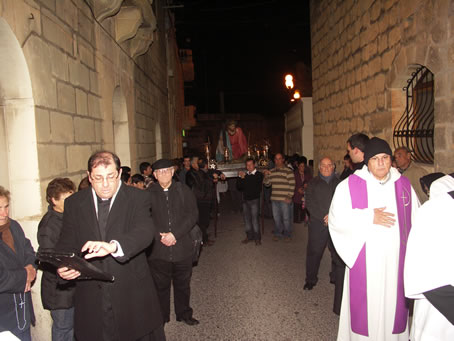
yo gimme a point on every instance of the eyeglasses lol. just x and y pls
(100, 179)
(163, 170)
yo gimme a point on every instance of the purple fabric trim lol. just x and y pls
(403, 200)
(358, 273)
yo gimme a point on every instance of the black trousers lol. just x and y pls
(318, 239)
(298, 213)
(179, 273)
(204, 218)
(235, 195)
(339, 274)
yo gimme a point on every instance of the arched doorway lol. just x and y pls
(19, 171)
(121, 127)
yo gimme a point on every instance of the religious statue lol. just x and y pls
(231, 141)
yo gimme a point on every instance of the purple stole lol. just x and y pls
(358, 274)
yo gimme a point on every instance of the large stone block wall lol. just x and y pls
(363, 53)
(75, 64)
(77, 75)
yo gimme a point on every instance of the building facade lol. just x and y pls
(79, 76)
(364, 52)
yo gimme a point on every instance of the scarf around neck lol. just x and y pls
(6, 236)
(327, 179)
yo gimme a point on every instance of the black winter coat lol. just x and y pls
(201, 185)
(174, 212)
(133, 296)
(318, 197)
(55, 294)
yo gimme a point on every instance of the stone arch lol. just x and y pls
(121, 127)
(158, 140)
(19, 170)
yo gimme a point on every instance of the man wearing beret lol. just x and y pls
(174, 213)
(369, 221)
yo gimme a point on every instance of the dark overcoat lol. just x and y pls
(55, 294)
(13, 277)
(133, 297)
(175, 212)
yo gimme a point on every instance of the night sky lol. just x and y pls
(243, 48)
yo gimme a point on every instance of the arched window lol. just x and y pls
(415, 129)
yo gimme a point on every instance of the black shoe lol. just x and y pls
(258, 242)
(190, 321)
(308, 286)
(245, 241)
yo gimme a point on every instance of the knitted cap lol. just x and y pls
(376, 146)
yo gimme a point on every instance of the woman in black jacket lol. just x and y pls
(55, 295)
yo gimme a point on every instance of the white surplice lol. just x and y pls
(350, 229)
(429, 261)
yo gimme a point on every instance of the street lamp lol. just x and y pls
(289, 81)
(296, 94)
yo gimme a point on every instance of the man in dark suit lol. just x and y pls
(111, 223)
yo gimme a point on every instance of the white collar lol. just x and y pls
(253, 172)
(95, 197)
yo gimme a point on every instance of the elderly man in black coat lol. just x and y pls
(174, 213)
(319, 194)
(111, 222)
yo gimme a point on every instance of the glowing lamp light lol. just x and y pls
(296, 95)
(289, 81)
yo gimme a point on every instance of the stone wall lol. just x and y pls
(69, 86)
(363, 53)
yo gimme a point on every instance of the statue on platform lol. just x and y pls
(232, 142)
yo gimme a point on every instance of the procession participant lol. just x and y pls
(250, 184)
(56, 296)
(411, 170)
(369, 221)
(429, 275)
(203, 188)
(17, 273)
(282, 182)
(111, 223)
(146, 171)
(356, 145)
(174, 213)
(319, 194)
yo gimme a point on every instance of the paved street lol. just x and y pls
(249, 292)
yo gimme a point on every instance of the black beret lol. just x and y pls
(162, 163)
(376, 146)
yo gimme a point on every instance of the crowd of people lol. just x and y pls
(138, 229)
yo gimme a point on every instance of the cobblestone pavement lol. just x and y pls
(248, 292)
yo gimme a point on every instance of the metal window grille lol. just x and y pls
(415, 129)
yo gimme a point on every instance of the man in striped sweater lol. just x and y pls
(282, 180)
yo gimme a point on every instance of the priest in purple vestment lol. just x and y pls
(369, 222)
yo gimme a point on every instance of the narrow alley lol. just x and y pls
(248, 292)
